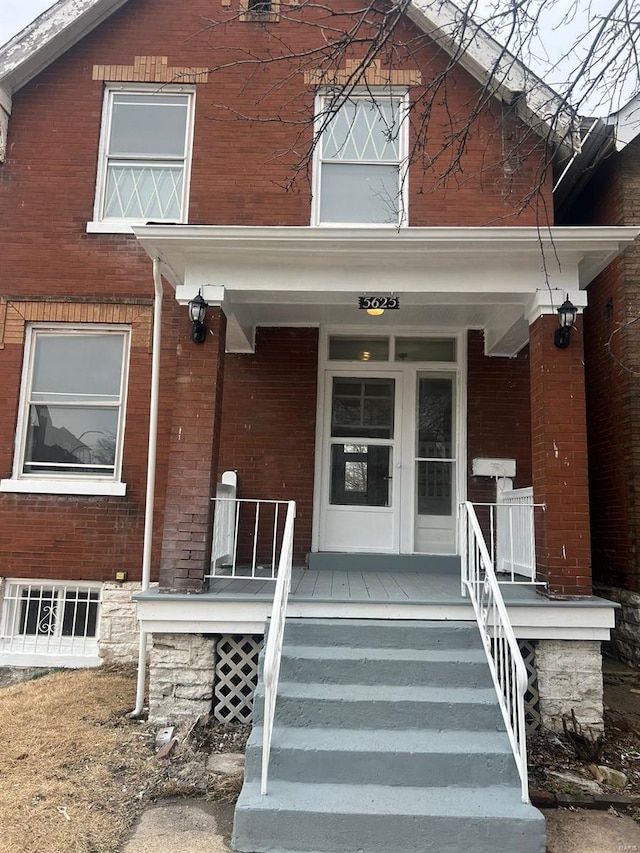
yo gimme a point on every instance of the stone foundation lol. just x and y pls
(119, 630)
(181, 672)
(626, 635)
(570, 678)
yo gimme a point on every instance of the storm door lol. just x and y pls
(362, 456)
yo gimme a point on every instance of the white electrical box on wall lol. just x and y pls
(493, 468)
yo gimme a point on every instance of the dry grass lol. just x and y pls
(74, 771)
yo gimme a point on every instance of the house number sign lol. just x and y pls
(385, 302)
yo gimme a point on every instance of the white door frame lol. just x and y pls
(409, 384)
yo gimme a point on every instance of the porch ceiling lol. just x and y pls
(447, 278)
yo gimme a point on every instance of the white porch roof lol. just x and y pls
(447, 278)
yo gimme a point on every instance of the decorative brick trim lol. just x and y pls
(15, 314)
(372, 75)
(150, 69)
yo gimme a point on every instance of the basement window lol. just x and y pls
(50, 619)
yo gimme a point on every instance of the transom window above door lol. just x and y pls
(360, 166)
(391, 348)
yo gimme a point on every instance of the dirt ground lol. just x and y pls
(76, 771)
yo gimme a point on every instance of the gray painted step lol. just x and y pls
(388, 739)
(409, 757)
(342, 562)
(380, 633)
(383, 819)
(349, 665)
(384, 707)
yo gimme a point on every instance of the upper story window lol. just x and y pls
(360, 172)
(145, 151)
(71, 419)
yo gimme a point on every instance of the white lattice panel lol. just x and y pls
(532, 696)
(236, 675)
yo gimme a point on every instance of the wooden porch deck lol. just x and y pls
(242, 605)
(381, 587)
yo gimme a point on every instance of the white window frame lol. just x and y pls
(368, 94)
(124, 226)
(58, 482)
(50, 648)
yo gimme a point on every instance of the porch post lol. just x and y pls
(193, 455)
(559, 450)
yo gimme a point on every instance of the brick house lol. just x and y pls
(601, 188)
(167, 153)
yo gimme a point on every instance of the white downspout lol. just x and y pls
(151, 475)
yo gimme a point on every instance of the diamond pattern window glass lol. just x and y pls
(146, 145)
(361, 161)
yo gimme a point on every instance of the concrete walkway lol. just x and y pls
(198, 826)
(182, 826)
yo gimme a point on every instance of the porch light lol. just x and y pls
(567, 314)
(197, 312)
(375, 312)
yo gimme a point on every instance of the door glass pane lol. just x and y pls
(362, 408)
(434, 426)
(434, 484)
(359, 349)
(360, 475)
(425, 349)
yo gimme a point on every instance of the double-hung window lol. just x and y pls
(360, 169)
(143, 169)
(71, 419)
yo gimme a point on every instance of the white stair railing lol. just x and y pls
(501, 647)
(275, 635)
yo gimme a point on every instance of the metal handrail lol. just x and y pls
(247, 537)
(510, 529)
(501, 647)
(273, 646)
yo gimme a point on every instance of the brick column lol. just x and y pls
(559, 458)
(193, 456)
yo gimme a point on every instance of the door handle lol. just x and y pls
(388, 477)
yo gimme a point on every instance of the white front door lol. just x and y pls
(389, 461)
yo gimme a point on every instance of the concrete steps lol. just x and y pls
(388, 739)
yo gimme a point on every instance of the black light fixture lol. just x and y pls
(197, 311)
(567, 314)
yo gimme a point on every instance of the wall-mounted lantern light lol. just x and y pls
(567, 314)
(197, 311)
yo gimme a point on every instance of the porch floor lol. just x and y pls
(366, 586)
(242, 605)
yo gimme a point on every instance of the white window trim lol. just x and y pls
(56, 483)
(98, 225)
(398, 93)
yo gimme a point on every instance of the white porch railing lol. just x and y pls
(501, 647)
(273, 646)
(509, 524)
(248, 536)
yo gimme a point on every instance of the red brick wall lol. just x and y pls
(269, 421)
(88, 538)
(239, 173)
(240, 168)
(612, 367)
(559, 459)
(499, 415)
(193, 456)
